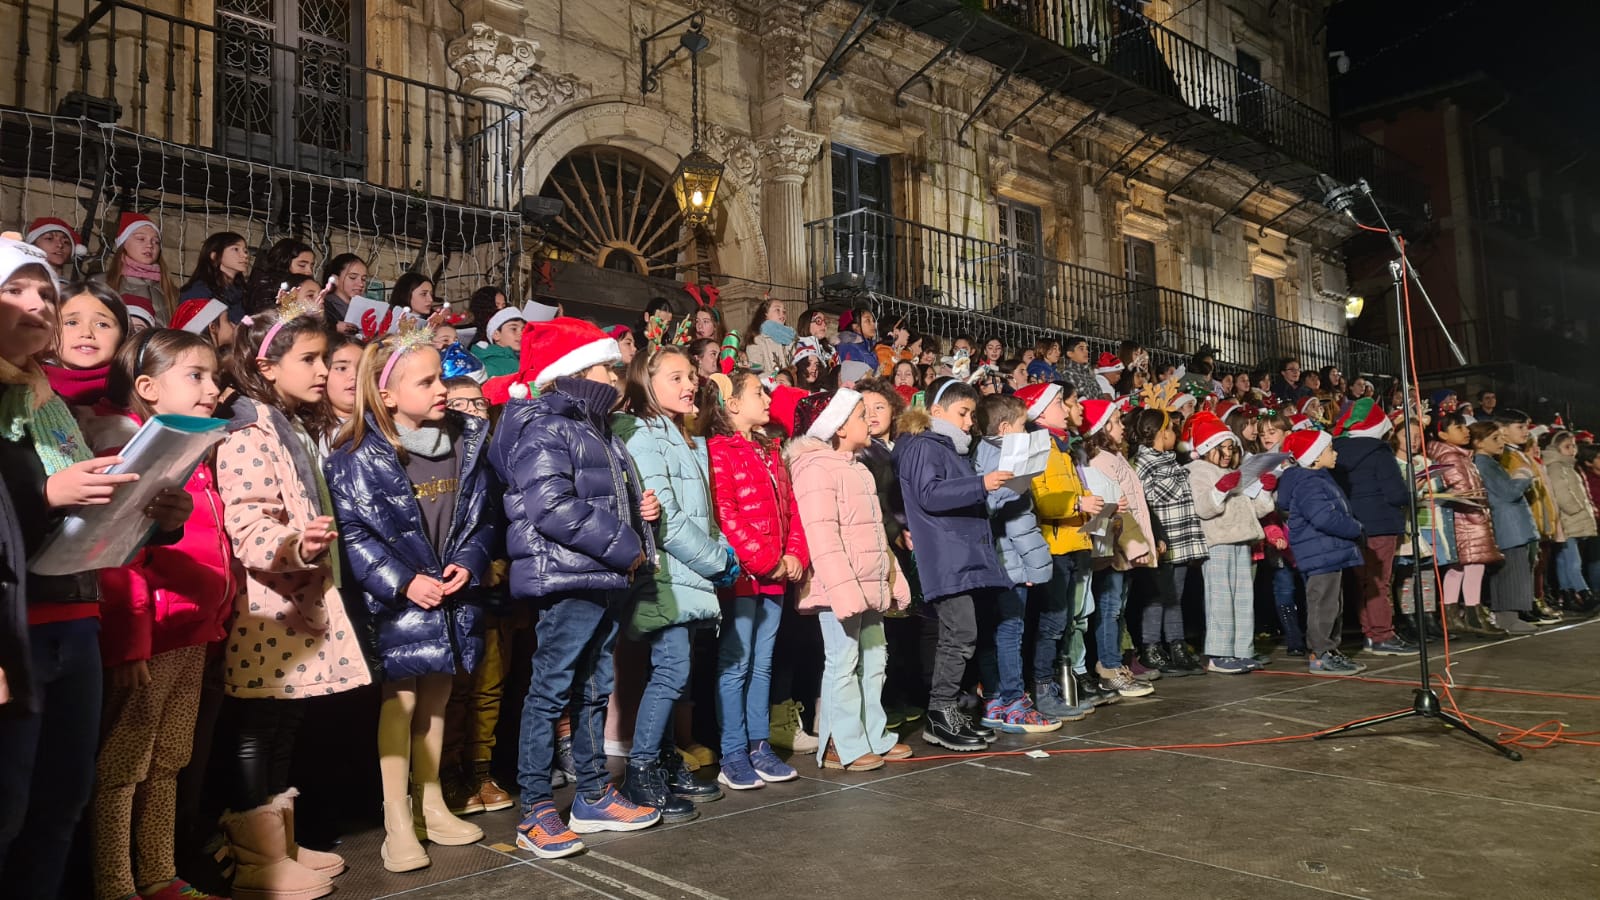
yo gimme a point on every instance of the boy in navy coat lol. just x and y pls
(1323, 536)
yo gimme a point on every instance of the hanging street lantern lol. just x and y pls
(695, 183)
(699, 175)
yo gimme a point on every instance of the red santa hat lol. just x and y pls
(1305, 404)
(824, 414)
(139, 307)
(1364, 418)
(555, 349)
(785, 400)
(1307, 446)
(131, 222)
(44, 226)
(1225, 407)
(1109, 362)
(195, 316)
(1097, 414)
(1038, 397)
(1298, 422)
(1203, 432)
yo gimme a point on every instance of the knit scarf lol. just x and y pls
(132, 269)
(780, 333)
(30, 410)
(428, 442)
(79, 387)
(962, 439)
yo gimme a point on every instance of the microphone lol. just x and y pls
(1338, 197)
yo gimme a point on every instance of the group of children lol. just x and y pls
(363, 523)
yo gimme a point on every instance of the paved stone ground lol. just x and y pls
(1409, 810)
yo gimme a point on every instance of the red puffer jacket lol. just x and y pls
(754, 501)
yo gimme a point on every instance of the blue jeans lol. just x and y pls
(1000, 650)
(1569, 567)
(1108, 585)
(744, 670)
(47, 758)
(669, 679)
(1056, 603)
(576, 638)
(1285, 592)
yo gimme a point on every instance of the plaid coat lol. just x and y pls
(1166, 487)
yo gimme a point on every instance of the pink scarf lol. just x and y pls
(134, 269)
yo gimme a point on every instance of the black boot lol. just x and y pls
(1089, 686)
(976, 728)
(1588, 603)
(948, 728)
(1180, 654)
(1430, 622)
(682, 783)
(1154, 656)
(1405, 628)
(643, 785)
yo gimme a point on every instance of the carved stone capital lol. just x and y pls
(544, 90)
(491, 63)
(789, 152)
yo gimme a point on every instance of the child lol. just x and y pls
(956, 560)
(93, 326)
(1232, 523)
(1128, 545)
(1511, 584)
(1278, 583)
(219, 273)
(1521, 457)
(578, 532)
(1063, 507)
(852, 582)
(207, 318)
(416, 563)
(1324, 537)
(137, 273)
(176, 600)
(771, 340)
(1379, 497)
(344, 357)
(502, 340)
(1577, 516)
(1464, 541)
(1417, 602)
(291, 638)
(1026, 558)
(1176, 526)
(756, 509)
(695, 560)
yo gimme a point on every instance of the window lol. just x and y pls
(1266, 295)
(619, 212)
(1144, 306)
(1022, 270)
(862, 241)
(289, 89)
(1251, 92)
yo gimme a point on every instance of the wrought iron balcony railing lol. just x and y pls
(957, 282)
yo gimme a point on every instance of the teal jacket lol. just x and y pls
(693, 551)
(497, 360)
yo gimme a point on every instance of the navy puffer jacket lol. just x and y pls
(1322, 533)
(572, 495)
(382, 535)
(1370, 476)
(948, 517)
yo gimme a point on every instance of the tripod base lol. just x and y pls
(1425, 705)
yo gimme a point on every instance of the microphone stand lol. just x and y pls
(1424, 700)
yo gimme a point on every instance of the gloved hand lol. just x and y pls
(731, 573)
(1269, 482)
(1228, 482)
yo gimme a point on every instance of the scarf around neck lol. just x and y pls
(782, 334)
(79, 387)
(30, 410)
(428, 442)
(134, 269)
(962, 439)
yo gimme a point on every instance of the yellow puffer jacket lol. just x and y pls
(1055, 499)
(1543, 503)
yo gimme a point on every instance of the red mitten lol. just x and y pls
(1228, 482)
(1269, 481)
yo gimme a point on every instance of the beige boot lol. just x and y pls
(329, 864)
(401, 850)
(263, 869)
(436, 823)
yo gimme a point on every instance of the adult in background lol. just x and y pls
(1287, 385)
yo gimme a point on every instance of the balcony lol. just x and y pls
(950, 283)
(148, 106)
(1109, 55)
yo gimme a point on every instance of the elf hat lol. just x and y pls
(44, 226)
(1363, 419)
(1307, 446)
(131, 222)
(785, 400)
(827, 412)
(501, 317)
(1038, 397)
(16, 254)
(1204, 432)
(1109, 362)
(195, 316)
(1097, 414)
(559, 348)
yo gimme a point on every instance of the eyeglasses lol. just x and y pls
(467, 405)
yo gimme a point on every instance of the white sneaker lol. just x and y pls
(1122, 681)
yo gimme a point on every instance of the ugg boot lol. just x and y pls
(329, 864)
(401, 851)
(434, 820)
(263, 868)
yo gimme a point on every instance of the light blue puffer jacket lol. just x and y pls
(1023, 550)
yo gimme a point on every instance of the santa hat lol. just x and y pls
(1538, 431)
(559, 348)
(1108, 363)
(44, 226)
(15, 254)
(1363, 419)
(1038, 398)
(618, 332)
(195, 316)
(501, 317)
(1096, 414)
(1304, 404)
(129, 223)
(825, 414)
(139, 308)
(1204, 432)
(785, 400)
(1306, 446)
(1225, 407)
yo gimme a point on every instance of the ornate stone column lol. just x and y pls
(787, 156)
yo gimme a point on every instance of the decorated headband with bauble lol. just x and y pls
(414, 333)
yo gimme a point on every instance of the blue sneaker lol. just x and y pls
(1335, 663)
(1022, 718)
(736, 773)
(769, 766)
(994, 714)
(1048, 699)
(546, 835)
(612, 812)
(1228, 665)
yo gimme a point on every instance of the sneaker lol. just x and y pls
(1392, 647)
(1334, 663)
(543, 832)
(944, 728)
(737, 775)
(769, 766)
(1139, 670)
(565, 771)
(1228, 665)
(1121, 681)
(1048, 699)
(994, 714)
(1020, 717)
(681, 781)
(178, 889)
(786, 730)
(1089, 689)
(1513, 623)
(1543, 612)
(612, 812)
(698, 756)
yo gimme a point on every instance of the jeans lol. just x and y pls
(1055, 604)
(576, 637)
(744, 670)
(958, 637)
(1000, 647)
(1569, 567)
(1108, 584)
(48, 757)
(1285, 587)
(851, 714)
(668, 681)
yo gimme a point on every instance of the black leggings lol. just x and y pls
(266, 734)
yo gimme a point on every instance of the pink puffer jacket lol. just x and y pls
(852, 569)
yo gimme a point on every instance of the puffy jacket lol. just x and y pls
(1133, 550)
(947, 512)
(1056, 493)
(852, 346)
(888, 358)
(571, 493)
(387, 547)
(1226, 519)
(497, 360)
(1466, 532)
(1166, 488)
(1322, 532)
(1545, 516)
(1370, 476)
(1571, 497)
(1023, 550)
(755, 510)
(1508, 503)
(693, 549)
(852, 570)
